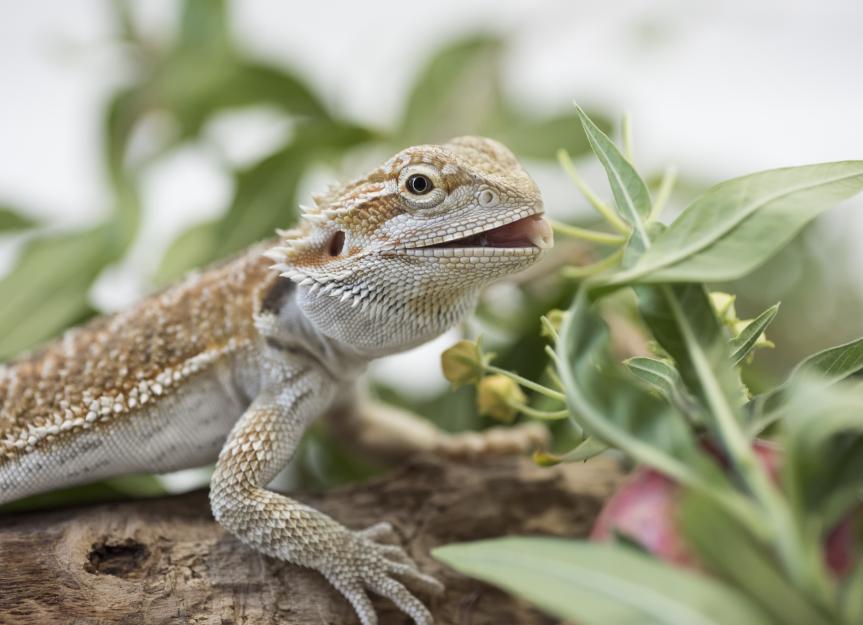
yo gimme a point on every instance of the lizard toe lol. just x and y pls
(381, 532)
(413, 576)
(396, 592)
(357, 597)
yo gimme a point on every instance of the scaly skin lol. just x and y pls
(245, 355)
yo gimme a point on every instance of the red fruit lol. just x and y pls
(842, 544)
(644, 509)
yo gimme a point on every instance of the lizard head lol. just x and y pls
(395, 258)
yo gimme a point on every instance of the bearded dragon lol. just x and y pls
(233, 363)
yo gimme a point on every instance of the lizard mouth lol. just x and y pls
(528, 235)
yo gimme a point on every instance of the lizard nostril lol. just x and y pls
(337, 243)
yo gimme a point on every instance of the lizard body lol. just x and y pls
(232, 364)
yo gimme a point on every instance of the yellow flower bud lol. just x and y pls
(723, 303)
(496, 395)
(463, 363)
(555, 320)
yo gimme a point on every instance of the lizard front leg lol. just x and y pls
(259, 446)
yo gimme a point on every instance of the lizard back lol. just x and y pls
(116, 364)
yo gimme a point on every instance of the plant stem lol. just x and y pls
(664, 192)
(545, 415)
(603, 238)
(627, 136)
(553, 374)
(601, 207)
(546, 324)
(534, 386)
(588, 270)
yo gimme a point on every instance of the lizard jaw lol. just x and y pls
(524, 236)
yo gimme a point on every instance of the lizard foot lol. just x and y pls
(369, 561)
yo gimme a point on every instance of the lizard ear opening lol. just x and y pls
(337, 243)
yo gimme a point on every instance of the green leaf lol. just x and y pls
(456, 93)
(660, 374)
(831, 365)
(728, 550)
(601, 584)
(266, 195)
(265, 198)
(738, 224)
(614, 407)
(204, 24)
(194, 248)
(123, 487)
(13, 221)
(629, 190)
(743, 344)
(48, 288)
(194, 87)
(587, 449)
(684, 323)
(540, 138)
(664, 378)
(851, 594)
(823, 440)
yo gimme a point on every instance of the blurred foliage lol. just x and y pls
(187, 83)
(192, 80)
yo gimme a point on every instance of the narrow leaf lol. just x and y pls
(587, 449)
(737, 225)
(629, 190)
(743, 344)
(601, 584)
(665, 379)
(660, 374)
(831, 365)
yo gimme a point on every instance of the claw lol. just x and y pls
(395, 554)
(402, 597)
(381, 531)
(412, 575)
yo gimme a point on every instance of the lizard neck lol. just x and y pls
(285, 326)
(382, 327)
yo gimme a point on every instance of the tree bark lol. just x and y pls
(165, 561)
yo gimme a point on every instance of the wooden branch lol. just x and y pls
(165, 561)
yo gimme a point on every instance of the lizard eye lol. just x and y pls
(419, 184)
